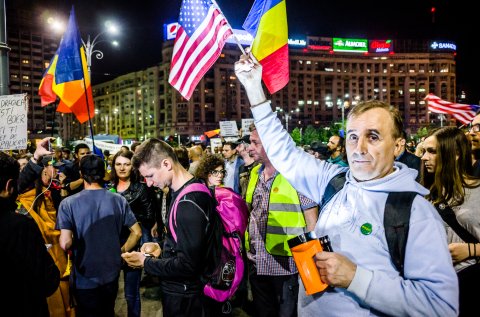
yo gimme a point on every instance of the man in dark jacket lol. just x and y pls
(29, 272)
(184, 255)
(407, 158)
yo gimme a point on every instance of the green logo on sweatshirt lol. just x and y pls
(366, 228)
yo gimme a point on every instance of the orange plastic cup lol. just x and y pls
(304, 248)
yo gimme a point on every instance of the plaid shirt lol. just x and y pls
(266, 263)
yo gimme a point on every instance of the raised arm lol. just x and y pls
(306, 174)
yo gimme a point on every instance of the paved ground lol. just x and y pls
(151, 307)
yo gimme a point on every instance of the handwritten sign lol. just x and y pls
(214, 143)
(228, 128)
(13, 122)
(246, 125)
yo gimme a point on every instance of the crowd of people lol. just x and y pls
(72, 225)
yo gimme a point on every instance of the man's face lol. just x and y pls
(66, 155)
(23, 162)
(370, 144)
(228, 152)
(429, 157)
(256, 149)
(333, 143)
(475, 136)
(242, 148)
(156, 176)
(58, 155)
(82, 152)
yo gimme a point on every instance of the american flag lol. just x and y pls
(462, 112)
(199, 42)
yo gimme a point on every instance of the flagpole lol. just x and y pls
(88, 112)
(228, 23)
(54, 115)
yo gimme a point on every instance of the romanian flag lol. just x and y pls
(67, 76)
(267, 23)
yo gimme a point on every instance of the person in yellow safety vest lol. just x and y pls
(277, 213)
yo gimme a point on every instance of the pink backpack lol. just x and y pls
(233, 213)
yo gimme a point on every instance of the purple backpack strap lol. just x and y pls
(194, 187)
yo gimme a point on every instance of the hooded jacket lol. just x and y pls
(430, 286)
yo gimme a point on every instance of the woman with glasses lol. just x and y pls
(211, 170)
(456, 195)
(126, 181)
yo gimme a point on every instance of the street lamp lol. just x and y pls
(90, 44)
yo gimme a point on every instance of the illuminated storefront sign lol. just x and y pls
(170, 30)
(316, 43)
(380, 46)
(243, 37)
(297, 42)
(350, 45)
(443, 46)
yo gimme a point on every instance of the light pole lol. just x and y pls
(4, 79)
(90, 45)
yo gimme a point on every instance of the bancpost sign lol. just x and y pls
(380, 46)
(350, 45)
(443, 46)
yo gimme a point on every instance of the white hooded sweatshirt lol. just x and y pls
(429, 286)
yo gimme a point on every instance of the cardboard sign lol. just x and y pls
(245, 125)
(228, 128)
(13, 122)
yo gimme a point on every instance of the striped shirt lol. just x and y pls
(266, 263)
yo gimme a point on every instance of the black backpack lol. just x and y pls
(396, 218)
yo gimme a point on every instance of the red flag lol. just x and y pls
(199, 42)
(461, 112)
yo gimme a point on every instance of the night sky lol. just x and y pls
(142, 27)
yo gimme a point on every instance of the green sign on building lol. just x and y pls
(350, 45)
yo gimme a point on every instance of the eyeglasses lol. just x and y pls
(475, 128)
(218, 172)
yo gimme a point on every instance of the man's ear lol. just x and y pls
(167, 163)
(9, 188)
(398, 146)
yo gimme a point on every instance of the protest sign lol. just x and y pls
(13, 122)
(228, 128)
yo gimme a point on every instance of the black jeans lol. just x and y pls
(97, 302)
(468, 279)
(183, 305)
(274, 295)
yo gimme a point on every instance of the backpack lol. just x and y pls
(396, 218)
(227, 258)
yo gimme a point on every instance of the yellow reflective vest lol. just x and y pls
(285, 216)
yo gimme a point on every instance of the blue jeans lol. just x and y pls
(146, 235)
(132, 290)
